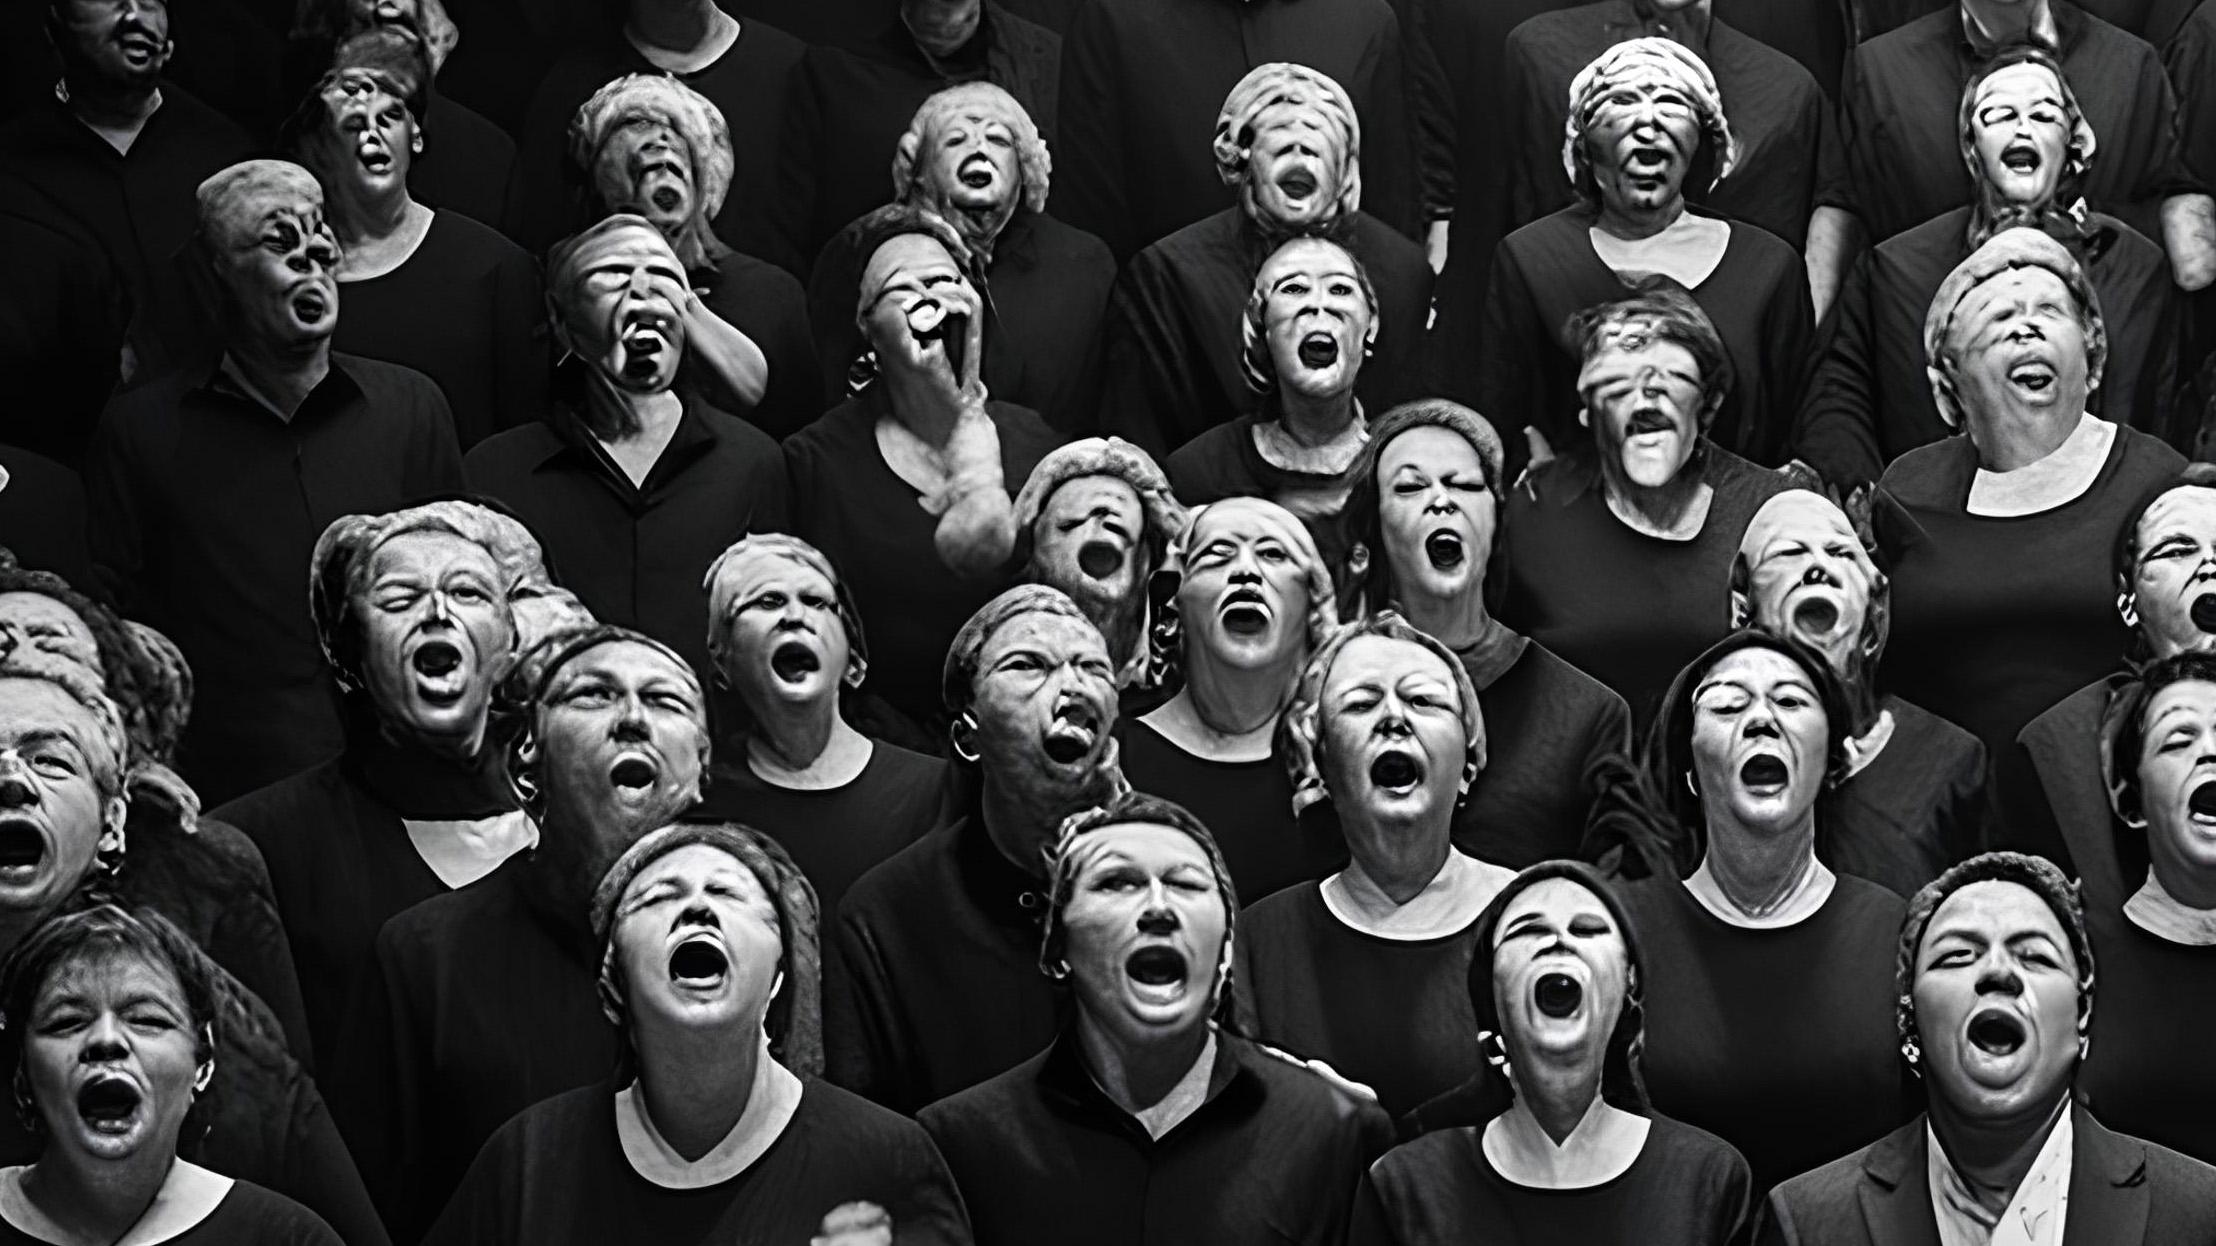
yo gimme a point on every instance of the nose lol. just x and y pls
(630, 721)
(1819, 572)
(1761, 722)
(16, 790)
(1157, 918)
(104, 1040)
(1997, 976)
(639, 283)
(1441, 500)
(699, 914)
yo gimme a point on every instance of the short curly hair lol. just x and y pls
(1598, 80)
(1285, 82)
(1166, 632)
(1301, 730)
(1032, 157)
(1255, 363)
(898, 220)
(2006, 251)
(2036, 874)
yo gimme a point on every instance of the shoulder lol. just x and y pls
(986, 1111)
(1738, 54)
(1200, 242)
(1437, 1160)
(147, 406)
(1867, 907)
(1566, 684)
(1063, 244)
(253, 1215)
(1931, 476)
(1926, 38)
(391, 388)
(1562, 232)
(460, 235)
(1829, 1193)
(1385, 249)
(836, 433)
(860, 1126)
(2074, 718)
(1932, 737)
(1025, 436)
(917, 872)
(506, 453)
(558, 1125)
(279, 805)
(1280, 912)
(429, 930)
(762, 43)
(1309, 1090)
(2108, 41)
(737, 439)
(2181, 1190)
(757, 280)
(1691, 1147)
(2144, 460)
(1756, 245)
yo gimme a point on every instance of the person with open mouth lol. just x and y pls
(113, 1023)
(1913, 798)
(790, 655)
(415, 611)
(1575, 1153)
(1096, 519)
(1288, 143)
(613, 742)
(2007, 534)
(939, 944)
(1385, 727)
(2029, 147)
(1423, 524)
(716, 1124)
(1643, 116)
(1995, 998)
(1620, 551)
(1139, 922)
(1252, 603)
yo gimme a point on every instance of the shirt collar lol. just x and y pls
(2036, 1211)
(1491, 655)
(1634, 19)
(2047, 31)
(337, 386)
(770, 1104)
(1006, 894)
(1067, 1080)
(689, 440)
(2153, 909)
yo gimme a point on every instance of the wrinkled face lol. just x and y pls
(646, 167)
(620, 744)
(783, 641)
(277, 263)
(1294, 166)
(2018, 345)
(2173, 588)
(623, 309)
(919, 305)
(697, 940)
(370, 140)
(1086, 540)
(110, 1055)
(53, 819)
(35, 621)
(2021, 133)
(1438, 515)
(1315, 316)
(1641, 143)
(1760, 739)
(1996, 998)
(1244, 597)
(1145, 928)
(1392, 736)
(436, 635)
(121, 42)
(2177, 780)
(1645, 404)
(1045, 697)
(1810, 578)
(1560, 973)
(969, 160)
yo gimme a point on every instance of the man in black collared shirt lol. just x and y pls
(207, 489)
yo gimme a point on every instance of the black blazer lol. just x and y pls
(2123, 1192)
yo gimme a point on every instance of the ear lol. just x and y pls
(1742, 600)
(416, 144)
(1942, 394)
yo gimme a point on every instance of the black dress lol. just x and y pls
(767, 304)
(248, 1216)
(2147, 1072)
(1547, 724)
(1224, 462)
(1916, 809)
(42, 515)
(2053, 801)
(1246, 805)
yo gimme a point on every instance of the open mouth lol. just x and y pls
(633, 773)
(1070, 738)
(22, 851)
(1244, 613)
(699, 963)
(108, 1104)
(309, 306)
(1996, 1033)
(642, 348)
(374, 155)
(1647, 421)
(976, 172)
(2204, 612)
(2032, 375)
(2020, 157)
(1319, 350)
(1444, 549)
(1158, 973)
(793, 662)
(2201, 805)
(1297, 183)
(1816, 616)
(1764, 772)
(1396, 772)
(1557, 994)
(436, 659)
(1100, 559)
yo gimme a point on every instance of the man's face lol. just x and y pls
(697, 941)
(1086, 541)
(1560, 972)
(1144, 926)
(37, 622)
(437, 635)
(53, 818)
(620, 738)
(2177, 780)
(1294, 166)
(1045, 697)
(783, 639)
(1646, 403)
(2175, 579)
(1392, 737)
(1808, 576)
(110, 1055)
(2021, 133)
(969, 160)
(1760, 739)
(624, 310)
(2019, 348)
(1243, 598)
(124, 43)
(646, 167)
(1996, 1000)
(277, 261)
(920, 306)
(1641, 143)
(371, 139)
(1437, 513)
(1315, 316)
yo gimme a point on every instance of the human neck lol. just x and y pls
(98, 1200)
(620, 417)
(283, 377)
(917, 403)
(459, 746)
(2191, 888)
(673, 25)
(109, 107)
(1857, 679)
(947, 37)
(2010, 439)
(2002, 21)
(357, 215)
(1457, 621)
(1397, 862)
(1021, 822)
(1673, 510)
(1556, 1097)
(696, 1083)
(1993, 1155)
(1633, 224)
(1757, 869)
(1316, 421)
(1137, 1076)
(979, 227)
(795, 743)
(1236, 703)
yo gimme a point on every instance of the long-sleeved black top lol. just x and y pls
(767, 304)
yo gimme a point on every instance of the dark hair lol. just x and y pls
(1366, 582)
(2123, 743)
(897, 220)
(2041, 876)
(1677, 319)
(400, 65)
(2124, 556)
(1988, 216)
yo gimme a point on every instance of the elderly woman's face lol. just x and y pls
(1086, 540)
(624, 309)
(1145, 927)
(646, 167)
(1641, 143)
(436, 634)
(1294, 168)
(1315, 317)
(110, 1055)
(1044, 699)
(1392, 736)
(2177, 779)
(1996, 1001)
(2175, 580)
(122, 41)
(1437, 513)
(53, 817)
(38, 622)
(1810, 578)
(2018, 346)
(919, 305)
(1645, 404)
(369, 140)
(620, 737)
(2021, 133)
(969, 159)
(1560, 972)
(697, 941)
(1244, 595)
(783, 640)
(278, 262)
(1760, 739)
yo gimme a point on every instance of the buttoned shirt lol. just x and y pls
(2036, 1212)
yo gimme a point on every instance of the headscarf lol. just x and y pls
(1255, 363)
(958, 678)
(1634, 60)
(2009, 249)
(1166, 632)
(523, 694)
(1301, 729)
(1032, 158)
(1104, 456)
(1284, 82)
(1365, 584)
(663, 99)
(721, 582)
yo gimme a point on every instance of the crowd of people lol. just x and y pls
(851, 622)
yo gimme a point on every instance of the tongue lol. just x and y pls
(1557, 994)
(1318, 351)
(667, 199)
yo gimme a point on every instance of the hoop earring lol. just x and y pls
(1691, 786)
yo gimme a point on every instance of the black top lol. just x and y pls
(1903, 94)
(467, 311)
(1869, 401)
(848, 503)
(2147, 1072)
(247, 1216)
(473, 1006)
(465, 163)
(1780, 1041)
(42, 515)
(1982, 635)
(1916, 809)
(1223, 462)
(557, 1174)
(62, 322)
(1546, 724)
(942, 986)
(1246, 805)
(1626, 608)
(1173, 339)
(636, 553)
(1318, 988)
(204, 509)
(2053, 801)
(2191, 60)
(767, 304)
(1545, 272)
(1686, 1187)
(1269, 1157)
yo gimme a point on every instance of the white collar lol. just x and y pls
(189, 1195)
(1448, 903)
(2036, 1212)
(462, 850)
(1796, 906)
(2062, 476)
(2153, 909)
(770, 1104)
(1687, 250)
(1863, 749)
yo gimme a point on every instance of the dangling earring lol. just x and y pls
(2127, 605)
(1494, 1050)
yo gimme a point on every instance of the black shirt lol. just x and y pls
(1917, 808)
(63, 312)
(636, 553)
(2053, 801)
(465, 163)
(42, 515)
(767, 304)
(1271, 1155)
(248, 1215)
(1546, 724)
(1246, 805)
(2191, 59)
(204, 509)
(2147, 1072)
(1224, 462)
